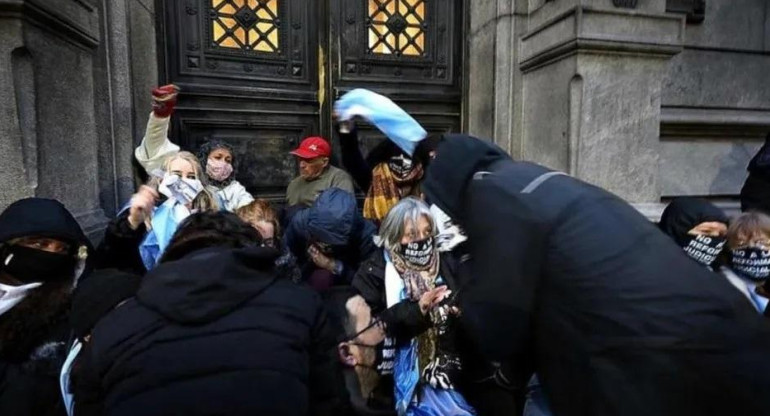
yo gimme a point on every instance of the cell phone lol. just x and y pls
(451, 300)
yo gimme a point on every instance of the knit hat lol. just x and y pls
(96, 296)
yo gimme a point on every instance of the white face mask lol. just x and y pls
(182, 190)
(450, 235)
(10, 296)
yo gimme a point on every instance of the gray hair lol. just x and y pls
(392, 229)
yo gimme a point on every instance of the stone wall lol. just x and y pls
(644, 101)
(716, 101)
(69, 72)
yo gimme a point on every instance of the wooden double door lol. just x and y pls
(263, 74)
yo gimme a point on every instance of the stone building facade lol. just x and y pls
(650, 99)
(74, 75)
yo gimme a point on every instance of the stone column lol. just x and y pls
(18, 144)
(493, 71)
(47, 120)
(591, 89)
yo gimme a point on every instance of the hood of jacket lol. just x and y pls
(43, 218)
(208, 284)
(458, 158)
(333, 217)
(683, 214)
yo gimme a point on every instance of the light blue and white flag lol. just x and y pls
(401, 128)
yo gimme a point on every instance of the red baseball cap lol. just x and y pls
(313, 147)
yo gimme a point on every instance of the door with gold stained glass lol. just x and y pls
(410, 50)
(263, 74)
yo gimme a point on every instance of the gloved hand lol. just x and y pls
(164, 100)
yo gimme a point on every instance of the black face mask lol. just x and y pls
(751, 262)
(400, 166)
(384, 355)
(384, 352)
(704, 249)
(418, 253)
(30, 265)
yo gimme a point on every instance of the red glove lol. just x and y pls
(164, 100)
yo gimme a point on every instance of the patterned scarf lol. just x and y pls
(416, 283)
(387, 189)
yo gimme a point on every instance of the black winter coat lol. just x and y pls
(615, 317)
(34, 340)
(217, 332)
(35, 333)
(119, 249)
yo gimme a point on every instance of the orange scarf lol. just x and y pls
(386, 190)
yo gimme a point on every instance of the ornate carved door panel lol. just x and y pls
(263, 74)
(248, 73)
(409, 50)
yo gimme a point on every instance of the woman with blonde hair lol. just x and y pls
(138, 236)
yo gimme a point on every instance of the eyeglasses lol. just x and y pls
(375, 322)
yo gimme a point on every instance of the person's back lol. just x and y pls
(641, 320)
(616, 319)
(215, 332)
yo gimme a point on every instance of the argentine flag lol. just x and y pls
(394, 122)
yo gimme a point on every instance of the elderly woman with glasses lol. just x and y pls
(408, 283)
(748, 264)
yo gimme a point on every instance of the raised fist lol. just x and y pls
(164, 100)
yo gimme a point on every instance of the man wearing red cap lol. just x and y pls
(315, 173)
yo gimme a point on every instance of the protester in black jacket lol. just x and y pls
(697, 226)
(214, 330)
(574, 283)
(755, 194)
(330, 239)
(43, 252)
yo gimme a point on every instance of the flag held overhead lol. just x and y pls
(401, 128)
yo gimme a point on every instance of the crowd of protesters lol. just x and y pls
(466, 283)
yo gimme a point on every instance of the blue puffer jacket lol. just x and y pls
(334, 220)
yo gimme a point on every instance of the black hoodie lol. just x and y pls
(684, 214)
(34, 333)
(573, 283)
(217, 332)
